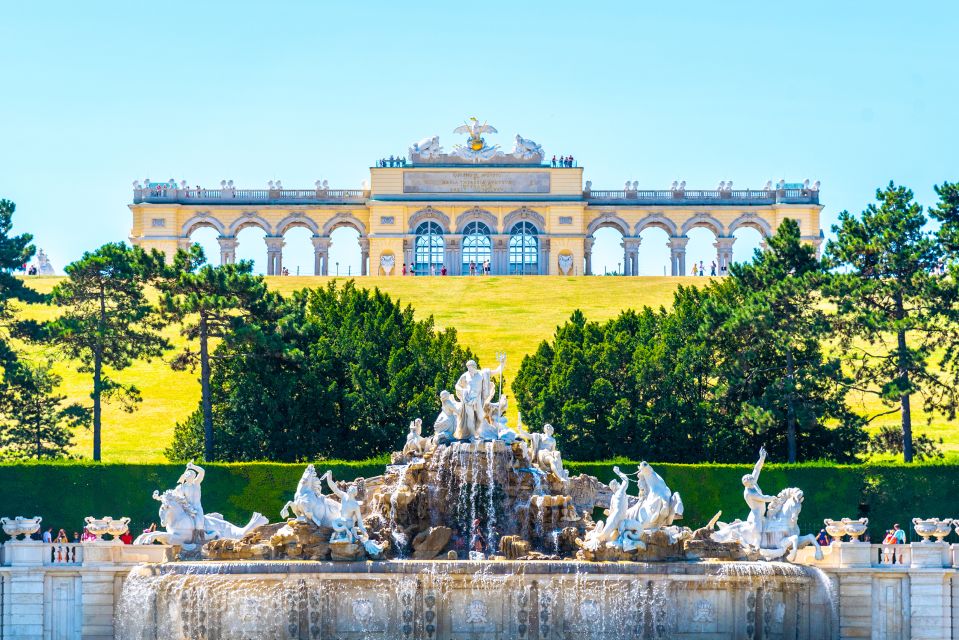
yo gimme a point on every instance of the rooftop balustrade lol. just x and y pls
(703, 197)
(165, 193)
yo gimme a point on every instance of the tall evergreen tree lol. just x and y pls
(767, 325)
(209, 302)
(36, 423)
(892, 309)
(15, 252)
(107, 322)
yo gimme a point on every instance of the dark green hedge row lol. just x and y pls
(64, 493)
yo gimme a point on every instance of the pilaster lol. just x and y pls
(588, 253)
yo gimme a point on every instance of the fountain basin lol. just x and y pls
(499, 599)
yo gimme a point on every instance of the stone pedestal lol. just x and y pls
(929, 555)
(853, 554)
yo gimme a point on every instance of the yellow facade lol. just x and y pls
(557, 211)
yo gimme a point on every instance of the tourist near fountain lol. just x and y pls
(477, 530)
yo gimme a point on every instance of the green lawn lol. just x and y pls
(511, 314)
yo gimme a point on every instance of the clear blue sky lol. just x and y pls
(98, 94)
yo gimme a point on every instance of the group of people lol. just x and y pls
(887, 553)
(392, 161)
(563, 161)
(482, 268)
(61, 537)
(700, 269)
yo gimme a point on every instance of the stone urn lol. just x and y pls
(943, 529)
(21, 526)
(98, 527)
(925, 528)
(835, 528)
(855, 528)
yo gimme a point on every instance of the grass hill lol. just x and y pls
(511, 314)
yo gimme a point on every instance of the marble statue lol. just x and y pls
(475, 390)
(658, 506)
(309, 503)
(771, 528)
(183, 520)
(445, 426)
(44, 268)
(527, 149)
(350, 507)
(607, 532)
(426, 149)
(543, 451)
(387, 262)
(565, 263)
(416, 444)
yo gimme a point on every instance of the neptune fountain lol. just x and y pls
(478, 531)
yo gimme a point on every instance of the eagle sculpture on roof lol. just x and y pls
(475, 130)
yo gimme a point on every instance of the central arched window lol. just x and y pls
(476, 247)
(523, 249)
(428, 248)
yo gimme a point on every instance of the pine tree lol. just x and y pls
(893, 310)
(767, 326)
(35, 421)
(15, 252)
(107, 322)
(209, 302)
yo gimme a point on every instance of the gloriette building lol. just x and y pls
(521, 211)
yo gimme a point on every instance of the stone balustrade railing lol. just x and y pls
(707, 197)
(165, 193)
(229, 195)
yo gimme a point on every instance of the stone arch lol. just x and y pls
(297, 219)
(703, 220)
(656, 220)
(751, 220)
(608, 219)
(474, 214)
(521, 214)
(429, 213)
(250, 219)
(202, 220)
(344, 219)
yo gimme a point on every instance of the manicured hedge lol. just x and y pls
(64, 493)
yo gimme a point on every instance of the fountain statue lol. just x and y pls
(479, 489)
(771, 528)
(309, 503)
(181, 515)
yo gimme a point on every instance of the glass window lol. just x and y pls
(523, 250)
(477, 247)
(428, 248)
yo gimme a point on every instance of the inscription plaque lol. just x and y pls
(475, 182)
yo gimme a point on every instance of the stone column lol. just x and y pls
(228, 246)
(407, 253)
(544, 265)
(321, 255)
(184, 243)
(677, 254)
(364, 255)
(631, 246)
(588, 254)
(724, 254)
(274, 255)
(454, 254)
(500, 259)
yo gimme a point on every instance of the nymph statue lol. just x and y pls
(445, 426)
(309, 503)
(182, 518)
(349, 506)
(658, 506)
(544, 452)
(608, 532)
